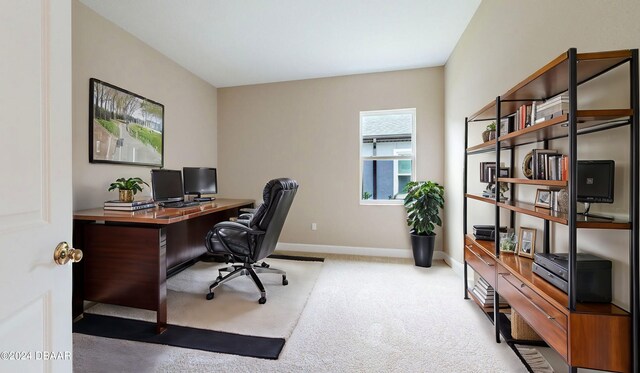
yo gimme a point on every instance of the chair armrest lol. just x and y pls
(237, 227)
(231, 231)
(245, 216)
(244, 222)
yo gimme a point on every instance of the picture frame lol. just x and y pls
(124, 127)
(488, 172)
(543, 198)
(506, 126)
(526, 242)
(508, 242)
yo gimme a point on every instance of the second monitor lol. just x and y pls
(199, 181)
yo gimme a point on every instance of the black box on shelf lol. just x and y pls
(486, 232)
(593, 275)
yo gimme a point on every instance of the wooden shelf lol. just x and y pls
(480, 198)
(549, 183)
(562, 218)
(487, 309)
(587, 121)
(482, 148)
(522, 268)
(551, 80)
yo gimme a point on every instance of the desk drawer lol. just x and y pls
(480, 262)
(549, 322)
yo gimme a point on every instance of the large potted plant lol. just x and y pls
(423, 202)
(127, 187)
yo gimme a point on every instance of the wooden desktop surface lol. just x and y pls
(161, 215)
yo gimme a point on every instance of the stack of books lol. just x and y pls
(129, 206)
(552, 108)
(549, 165)
(485, 294)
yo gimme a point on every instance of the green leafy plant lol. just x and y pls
(133, 184)
(366, 195)
(491, 126)
(423, 202)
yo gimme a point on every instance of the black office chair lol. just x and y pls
(246, 244)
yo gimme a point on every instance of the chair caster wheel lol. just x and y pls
(285, 282)
(262, 300)
(210, 296)
(264, 265)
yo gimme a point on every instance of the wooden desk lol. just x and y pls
(129, 255)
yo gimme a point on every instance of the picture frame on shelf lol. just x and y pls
(526, 242)
(506, 126)
(508, 242)
(543, 198)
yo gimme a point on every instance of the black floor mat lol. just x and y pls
(179, 336)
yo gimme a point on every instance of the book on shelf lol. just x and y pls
(130, 208)
(552, 108)
(118, 203)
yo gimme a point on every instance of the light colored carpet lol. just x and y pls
(235, 308)
(362, 316)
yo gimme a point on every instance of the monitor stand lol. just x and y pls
(200, 198)
(587, 215)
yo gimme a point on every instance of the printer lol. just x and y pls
(593, 275)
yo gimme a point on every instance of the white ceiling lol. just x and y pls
(240, 42)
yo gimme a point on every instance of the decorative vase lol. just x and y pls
(492, 135)
(126, 195)
(485, 136)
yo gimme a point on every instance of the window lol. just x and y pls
(387, 155)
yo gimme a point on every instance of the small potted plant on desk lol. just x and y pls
(423, 202)
(128, 187)
(490, 132)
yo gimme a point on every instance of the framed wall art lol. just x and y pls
(124, 127)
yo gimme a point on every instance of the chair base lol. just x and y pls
(247, 269)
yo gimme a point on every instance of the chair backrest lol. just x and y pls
(270, 217)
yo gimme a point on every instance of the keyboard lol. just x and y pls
(179, 204)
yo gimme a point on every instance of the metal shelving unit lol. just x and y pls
(565, 74)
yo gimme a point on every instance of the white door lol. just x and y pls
(35, 185)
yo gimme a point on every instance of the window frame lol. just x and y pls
(361, 158)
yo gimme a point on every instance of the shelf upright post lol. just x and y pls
(464, 203)
(545, 243)
(496, 297)
(634, 211)
(573, 174)
(512, 191)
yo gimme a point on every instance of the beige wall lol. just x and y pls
(308, 130)
(104, 51)
(494, 53)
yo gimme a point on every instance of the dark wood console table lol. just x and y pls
(129, 255)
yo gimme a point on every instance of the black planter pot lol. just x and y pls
(423, 249)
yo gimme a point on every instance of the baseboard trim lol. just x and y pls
(457, 267)
(366, 251)
(346, 250)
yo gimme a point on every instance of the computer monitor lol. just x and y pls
(595, 183)
(200, 180)
(166, 185)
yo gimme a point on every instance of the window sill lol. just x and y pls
(389, 202)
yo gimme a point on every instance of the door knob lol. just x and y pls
(64, 253)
